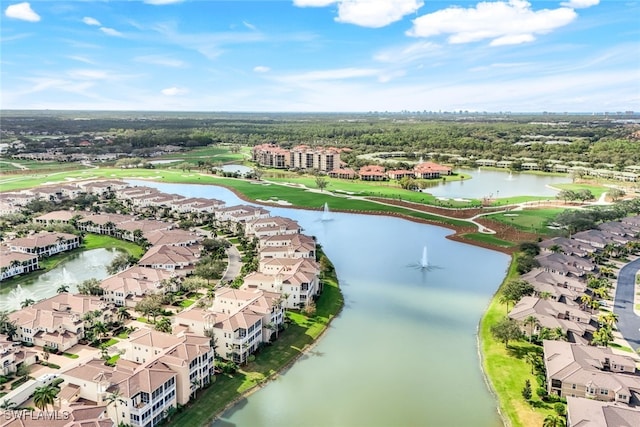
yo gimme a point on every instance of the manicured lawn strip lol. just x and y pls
(596, 189)
(371, 189)
(70, 355)
(507, 369)
(519, 199)
(301, 332)
(528, 220)
(112, 341)
(488, 239)
(253, 191)
(95, 241)
(186, 303)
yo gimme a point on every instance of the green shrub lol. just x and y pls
(560, 409)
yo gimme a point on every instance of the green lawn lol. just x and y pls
(187, 303)
(507, 369)
(302, 331)
(94, 241)
(488, 239)
(214, 153)
(531, 220)
(112, 341)
(70, 355)
(596, 189)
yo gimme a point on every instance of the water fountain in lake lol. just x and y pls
(424, 261)
(16, 296)
(510, 177)
(326, 214)
(423, 264)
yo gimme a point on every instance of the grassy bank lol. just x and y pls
(95, 241)
(301, 332)
(507, 368)
(532, 220)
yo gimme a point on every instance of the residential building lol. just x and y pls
(287, 246)
(594, 413)
(45, 244)
(128, 287)
(597, 373)
(578, 325)
(272, 226)
(147, 391)
(190, 356)
(429, 170)
(15, 263)
(169, 257)
(372, 173)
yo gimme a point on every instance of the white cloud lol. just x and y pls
(261, 69)
(81, 59)
(111, 32)
(162, 2)
(249, 25)
(173, 91)
(22, 11)
(89, 74)
(580, 4)
(161, 60)
(409, 53)
(335, 74)
(511, 22)
(313, 3)
(375, 13)
(91, 21)
(367, 13)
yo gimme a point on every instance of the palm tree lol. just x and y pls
(163, 325)
(553, 421)
(555, 249)
(26, 303)
(44, 396)
(123, 314)
(545, 295)
(609, 318)
(114, 398)
(602, 293)
(99, 329)
(532, 321)
(585, 301)
(62, 289)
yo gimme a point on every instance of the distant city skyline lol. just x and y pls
(321, 55)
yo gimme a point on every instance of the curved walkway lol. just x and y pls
(628, 321)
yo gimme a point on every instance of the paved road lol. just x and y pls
(628, 321)
(235, 264)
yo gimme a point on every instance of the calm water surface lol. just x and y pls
(403, 352)
(71, 272)
(497, 184)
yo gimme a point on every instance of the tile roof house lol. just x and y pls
(241, 213)
(56, 322)
(15, 263)
(597, 373)
(287, 246)
(561, 288)
(429, 170)
(171, 257)
(57, 217)
(594, 413)
(173, 237)
(272, 226)
(128, 287)
(45, 243)
(147, 390)
(73, 416)
(190, 356)
(577, 324)
(565, 265)
(372, 173)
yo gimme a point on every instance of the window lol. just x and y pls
(573, 386)
(604, 392)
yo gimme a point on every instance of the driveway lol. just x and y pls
(235, 264)
(628, 322)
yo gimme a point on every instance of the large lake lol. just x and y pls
(488, 183)
(403, 352)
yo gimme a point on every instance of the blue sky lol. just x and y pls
(321, 55)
